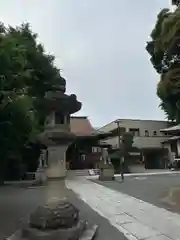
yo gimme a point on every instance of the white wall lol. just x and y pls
(142, 141)
(139, 142)
(143, 125)
(148, 142)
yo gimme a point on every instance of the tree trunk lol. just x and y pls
(2, 168)
(126, 165)
(1, 175)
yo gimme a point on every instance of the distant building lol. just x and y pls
(148, 138)
(172, 143)
(147, 133)
(85, 151)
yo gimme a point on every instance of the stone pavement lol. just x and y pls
(17, 203)
(135, 218)
(153, 189)
(148, 172)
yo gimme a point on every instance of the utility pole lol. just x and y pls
(173, 4)
(119, 146)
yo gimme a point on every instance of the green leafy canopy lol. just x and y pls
(26, 73)
(165, 58)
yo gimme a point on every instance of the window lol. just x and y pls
(154, 133)
(96, 149)
(134, 131)
(83, 157)
(59, 118)
(146, 133)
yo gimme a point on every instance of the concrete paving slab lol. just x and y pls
(147, 220)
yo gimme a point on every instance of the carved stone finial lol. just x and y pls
(59, 85)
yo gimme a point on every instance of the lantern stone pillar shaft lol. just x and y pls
(57, 136)
(57, 161)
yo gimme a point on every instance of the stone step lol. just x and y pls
(94, 172)
(83, 172)
(78, 172)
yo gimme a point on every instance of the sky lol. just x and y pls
(99, 46)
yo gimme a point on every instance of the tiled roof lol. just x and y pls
(81, 126)
(174, 128)
(174, 138)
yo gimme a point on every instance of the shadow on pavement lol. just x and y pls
(17, 203)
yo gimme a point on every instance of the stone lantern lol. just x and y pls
(57, 136)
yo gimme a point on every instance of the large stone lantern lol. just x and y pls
(57, 135)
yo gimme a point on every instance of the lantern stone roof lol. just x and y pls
(57, 100)
(171, 139)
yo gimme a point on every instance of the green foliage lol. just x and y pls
(26, 73)
(24, 63)
(127, 141)
(125, 149)
(156, 32)
(165, 58)
(16, 124)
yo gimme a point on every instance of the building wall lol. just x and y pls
(141, 141)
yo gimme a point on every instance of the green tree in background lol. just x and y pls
(16, 128)
(123, 152)
(126, 146)
(26, 73)
(165, 58)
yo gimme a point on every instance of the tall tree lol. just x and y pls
(26, 73)
(122, 153)
(16, 127)
(165, 58)
(126, 146)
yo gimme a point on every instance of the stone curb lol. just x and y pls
(88, 234)
(136, 174)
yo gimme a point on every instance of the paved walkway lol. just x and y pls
(138, 220)
(155, 189)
